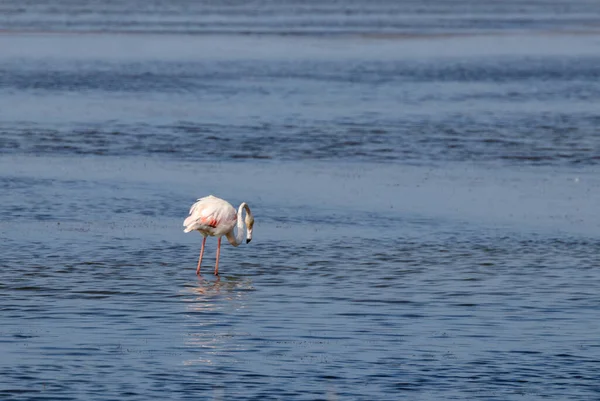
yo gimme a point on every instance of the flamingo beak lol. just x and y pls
(248, 240)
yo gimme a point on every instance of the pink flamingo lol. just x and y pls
(216, 217)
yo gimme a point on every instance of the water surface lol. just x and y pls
(424, 180)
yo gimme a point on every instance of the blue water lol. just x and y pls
(424, 179)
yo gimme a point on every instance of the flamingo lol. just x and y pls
(216, 217)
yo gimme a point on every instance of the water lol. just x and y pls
(424, 180)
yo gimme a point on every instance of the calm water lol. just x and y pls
(424, 180)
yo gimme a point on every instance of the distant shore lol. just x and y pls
(308, 34)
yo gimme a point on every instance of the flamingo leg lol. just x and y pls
(200, 259)
(218, 253)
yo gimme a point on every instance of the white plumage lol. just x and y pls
(211, 216)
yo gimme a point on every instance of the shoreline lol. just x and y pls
(304, 34)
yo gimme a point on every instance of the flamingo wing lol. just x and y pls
(211, 216)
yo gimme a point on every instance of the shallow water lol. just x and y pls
(341, 294)
(288, 17)
(426, 205)
(524, 99)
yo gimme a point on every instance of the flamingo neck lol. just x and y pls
(241, 228)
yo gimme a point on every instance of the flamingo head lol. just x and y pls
(249, 225)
